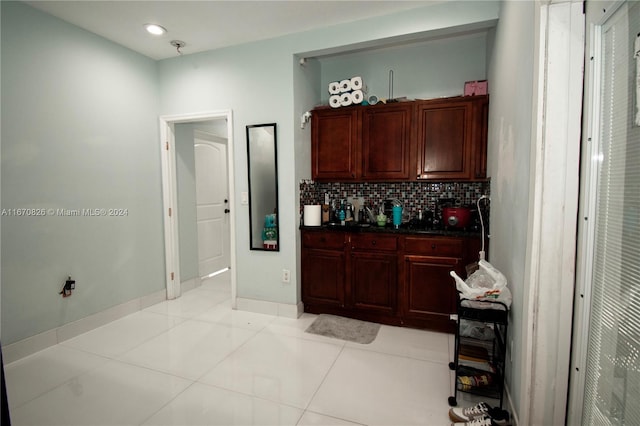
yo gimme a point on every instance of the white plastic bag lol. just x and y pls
(486, 284)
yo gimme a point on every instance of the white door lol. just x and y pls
(606, 369)
(212, 195)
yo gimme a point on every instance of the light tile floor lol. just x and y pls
(195, 361)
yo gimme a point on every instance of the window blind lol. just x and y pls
(612, 378)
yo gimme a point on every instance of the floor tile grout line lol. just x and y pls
(324, 378)
(97, 367)
(396, 354)
(75, 376)
(250, 395)
(311, 338)
(355, 423)
(227, 355)
(167, 403)
(118, 356)
(257, 396)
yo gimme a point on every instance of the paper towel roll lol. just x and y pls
(345, 99)
(334, 101)
(334, 87)
(357, 96)
(312, 215)
(357, 83)
(345, 85)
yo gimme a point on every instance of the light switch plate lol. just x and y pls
(244, 198)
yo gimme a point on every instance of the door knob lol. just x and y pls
(227, 210)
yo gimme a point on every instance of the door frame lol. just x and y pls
(170, 196)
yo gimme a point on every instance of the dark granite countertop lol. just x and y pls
(389, 229)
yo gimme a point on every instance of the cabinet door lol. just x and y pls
(335, 144)
(444, 140)
(373, 282)
(386, 142)
(323, 277)
(429, 291)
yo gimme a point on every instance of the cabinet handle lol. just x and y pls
(433, 246)
(373, 243)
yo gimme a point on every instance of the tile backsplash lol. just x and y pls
(414, 195)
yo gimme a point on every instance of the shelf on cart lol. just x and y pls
(484, 366)
(469, 379)
(494, 347)
(474, 352)
(492, 391)
(483, 310)
(478, 330)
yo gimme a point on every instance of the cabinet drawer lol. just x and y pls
(450, 247)
(323, 240)
(374, 242)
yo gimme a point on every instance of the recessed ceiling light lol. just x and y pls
(154, 29)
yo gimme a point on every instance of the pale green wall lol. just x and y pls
(79, 130)
(511, 76)
(94, 144)
(307, 92)
(256, 81)
(420, 71)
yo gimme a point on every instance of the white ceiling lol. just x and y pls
(211, 24)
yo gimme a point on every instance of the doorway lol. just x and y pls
(218, 215)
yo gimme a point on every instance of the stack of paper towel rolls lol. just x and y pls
(346, 92)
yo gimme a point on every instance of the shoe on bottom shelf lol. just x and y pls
(481, 412)
(478, 421)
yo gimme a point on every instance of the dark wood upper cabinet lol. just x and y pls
(452, 138)
(386, 142)
(335, 144)
(440, 139)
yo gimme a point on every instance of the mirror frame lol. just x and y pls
(253, 190)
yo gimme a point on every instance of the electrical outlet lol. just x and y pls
(286, 276)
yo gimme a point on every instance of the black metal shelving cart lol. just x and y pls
(480, 349)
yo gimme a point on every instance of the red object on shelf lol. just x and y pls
(475, 88)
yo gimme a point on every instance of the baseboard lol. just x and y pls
(33, 344)
(191, 284)
(270, 308)
(512, 410)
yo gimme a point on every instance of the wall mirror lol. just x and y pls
(263, 187)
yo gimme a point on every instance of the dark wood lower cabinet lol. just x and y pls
(387, 278)
(374, 278)
(323, 273)
(430, 291)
